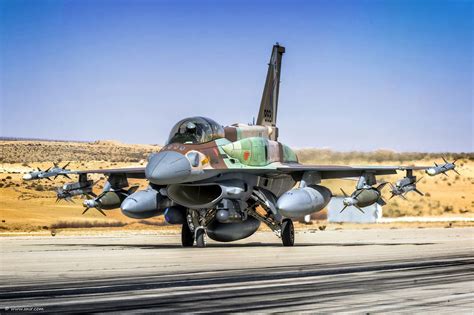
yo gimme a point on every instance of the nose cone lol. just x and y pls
(431, 171)
(27, 177)
(168, 167)
(91, 203)
(348, 201)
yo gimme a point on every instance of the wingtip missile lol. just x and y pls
(442, 169)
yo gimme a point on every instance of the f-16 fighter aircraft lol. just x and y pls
(224, 182)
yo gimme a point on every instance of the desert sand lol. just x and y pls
(30, 206)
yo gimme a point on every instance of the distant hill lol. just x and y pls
(21, 150)
(27, 151)
(36, 139)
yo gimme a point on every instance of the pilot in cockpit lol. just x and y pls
(195, 130)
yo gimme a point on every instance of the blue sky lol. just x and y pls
(357, 75)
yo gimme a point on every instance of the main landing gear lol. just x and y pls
(187, 236)
(287, 232)
(191, 231)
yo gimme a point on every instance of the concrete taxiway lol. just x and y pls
(400, 270)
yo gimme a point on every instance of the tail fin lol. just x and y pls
(267, 114)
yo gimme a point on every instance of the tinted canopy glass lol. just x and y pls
(195, 130)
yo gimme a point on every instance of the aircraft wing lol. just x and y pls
(342, 171)
(131, 172)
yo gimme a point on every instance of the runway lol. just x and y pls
(403, 270)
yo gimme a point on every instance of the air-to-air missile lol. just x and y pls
(364, 196)
(33, 175)
(50, 172)
(55, 171)
(107, 200)
(69, 190)
(405, 185)
(442, 169)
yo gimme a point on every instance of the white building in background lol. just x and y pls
(372, 214)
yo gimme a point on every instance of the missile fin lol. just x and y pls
(381, 186)
(359, 208)
(418, 192)
(345, 195)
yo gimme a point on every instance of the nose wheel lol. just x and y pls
(200, 235)
(194, 229)
(287, 232)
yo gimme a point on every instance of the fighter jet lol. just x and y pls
(442, 169)
(222, 183)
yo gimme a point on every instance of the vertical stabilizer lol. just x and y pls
(267, 114)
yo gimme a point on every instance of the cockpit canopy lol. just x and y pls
(195, 130)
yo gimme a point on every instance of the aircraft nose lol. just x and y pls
(27, 177)
(168, 167)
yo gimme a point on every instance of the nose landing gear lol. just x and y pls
(200, 237)
(188, 237)
(194, 229)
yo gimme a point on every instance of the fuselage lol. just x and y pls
(237, 147)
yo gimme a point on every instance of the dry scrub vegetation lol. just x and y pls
(30, 206)
(42, 151)
(451, 195)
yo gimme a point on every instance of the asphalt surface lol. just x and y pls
(361, 271)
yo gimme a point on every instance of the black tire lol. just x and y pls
(187, 237)
(200, 235)
(287, 233)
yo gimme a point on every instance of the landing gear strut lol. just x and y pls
(287, 232)
(187, 236)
